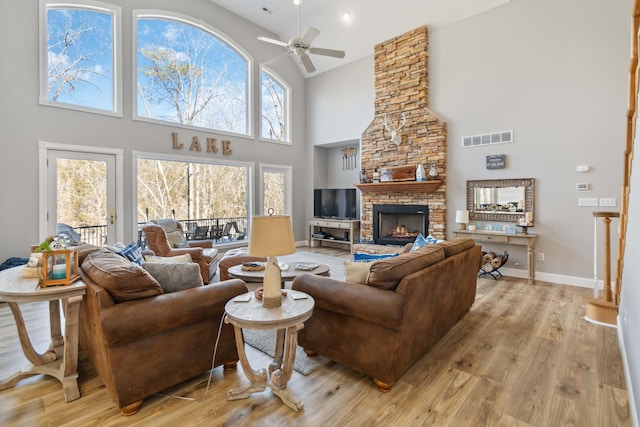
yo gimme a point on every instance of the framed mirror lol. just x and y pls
(500, 199)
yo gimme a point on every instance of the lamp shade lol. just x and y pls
(462, 217)
(271, 235)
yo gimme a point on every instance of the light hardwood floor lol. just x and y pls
(522, 356)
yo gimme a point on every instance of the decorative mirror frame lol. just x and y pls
(527, 183)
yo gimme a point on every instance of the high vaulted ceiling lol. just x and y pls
(372, 21)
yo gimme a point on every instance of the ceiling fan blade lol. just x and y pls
(309, 36)
(277, 58)
(273, 41)
(326, 52)
(308, 65)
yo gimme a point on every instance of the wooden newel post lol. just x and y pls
(606, 219)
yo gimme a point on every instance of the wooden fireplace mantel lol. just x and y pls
(391, 186)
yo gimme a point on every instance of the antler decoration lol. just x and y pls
(394, 135)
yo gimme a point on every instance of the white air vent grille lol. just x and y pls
(501, 137)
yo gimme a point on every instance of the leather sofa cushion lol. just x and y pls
(124, 280)
(456, 245)
(387, 273)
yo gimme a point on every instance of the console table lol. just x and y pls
(528, 240)
(331, 230)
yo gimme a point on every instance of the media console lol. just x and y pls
(344, 231)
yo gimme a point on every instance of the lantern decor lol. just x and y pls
(58, 263)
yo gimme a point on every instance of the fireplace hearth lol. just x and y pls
(399, 224)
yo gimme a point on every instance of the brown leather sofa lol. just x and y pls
(142, 340)
(381, 329)
(201, 251)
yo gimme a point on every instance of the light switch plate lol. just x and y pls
(607, 201)
(587, 201)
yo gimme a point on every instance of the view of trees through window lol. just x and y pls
(86, 205)
(80, 57)
(190, 191)
(274, 188)
(188, 76)
(274, 108)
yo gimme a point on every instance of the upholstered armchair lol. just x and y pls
(235, 257)
(206, 257)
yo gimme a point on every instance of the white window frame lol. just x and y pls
(88, 5)
(184, 19)
(287, 106)
(287, 171)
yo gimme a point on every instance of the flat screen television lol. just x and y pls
(339, 203)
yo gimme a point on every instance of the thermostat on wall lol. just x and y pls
(582, 186)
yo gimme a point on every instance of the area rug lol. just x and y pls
(265, 341)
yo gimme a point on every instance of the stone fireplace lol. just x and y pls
(401, 86)
(399, 224)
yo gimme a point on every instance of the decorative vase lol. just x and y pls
(420, 173)
(433, 171)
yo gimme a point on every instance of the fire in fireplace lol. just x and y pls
(399, 224)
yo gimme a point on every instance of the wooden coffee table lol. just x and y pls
(245, 311)
(287, 275)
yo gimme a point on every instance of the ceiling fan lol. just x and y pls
(301, 46)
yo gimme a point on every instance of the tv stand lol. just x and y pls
(343, 231)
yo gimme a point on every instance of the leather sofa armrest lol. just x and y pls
(196, 253)
(200, 243)
(132, 320)
(373, 305)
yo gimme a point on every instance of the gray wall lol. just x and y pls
(24, 122)
(555, 74)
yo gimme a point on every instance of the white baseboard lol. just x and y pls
(633, 412)
(561, 279)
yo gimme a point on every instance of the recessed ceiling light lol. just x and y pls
(297, 2)
(346, 17)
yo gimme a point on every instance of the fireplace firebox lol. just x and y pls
(399, 224)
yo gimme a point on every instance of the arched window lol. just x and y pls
(274, 113)
(190, 75)
(80, 56)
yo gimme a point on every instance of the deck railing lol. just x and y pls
(214, 227)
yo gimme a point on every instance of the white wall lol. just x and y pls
(555, 74)
(23, 122)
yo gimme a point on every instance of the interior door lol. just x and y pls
(81, 196)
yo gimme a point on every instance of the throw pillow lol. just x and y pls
(362, 257)
(419, 242)
(357, 271)
(175, 238)
(124, 280)
(169, 259)
(131, 252)
(432, 240)
(174, 277)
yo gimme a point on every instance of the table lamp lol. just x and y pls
(270, 236)
(462, 218)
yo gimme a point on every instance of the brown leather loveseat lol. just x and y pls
(141, 339)
(410, 301)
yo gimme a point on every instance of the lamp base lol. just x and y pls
(463, 226)
(272, 296)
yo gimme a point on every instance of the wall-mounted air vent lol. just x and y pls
(501, 137)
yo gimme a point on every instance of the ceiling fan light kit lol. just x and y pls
(301, 46)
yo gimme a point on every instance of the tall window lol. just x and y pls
(275, 108)
(79, 50)
(276, 183)
(186, 74)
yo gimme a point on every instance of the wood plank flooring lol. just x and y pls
(523, 356)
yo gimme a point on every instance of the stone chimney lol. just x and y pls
(402, 86)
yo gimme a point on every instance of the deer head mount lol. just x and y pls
(394, 134)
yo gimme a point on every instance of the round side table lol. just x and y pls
(245, 311)
(61, 358)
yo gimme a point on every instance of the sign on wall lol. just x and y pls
(495, 161)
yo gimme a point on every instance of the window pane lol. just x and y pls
(80, 58)
(189, 76)
(206, 194)
(274, 96)
(274, 190)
